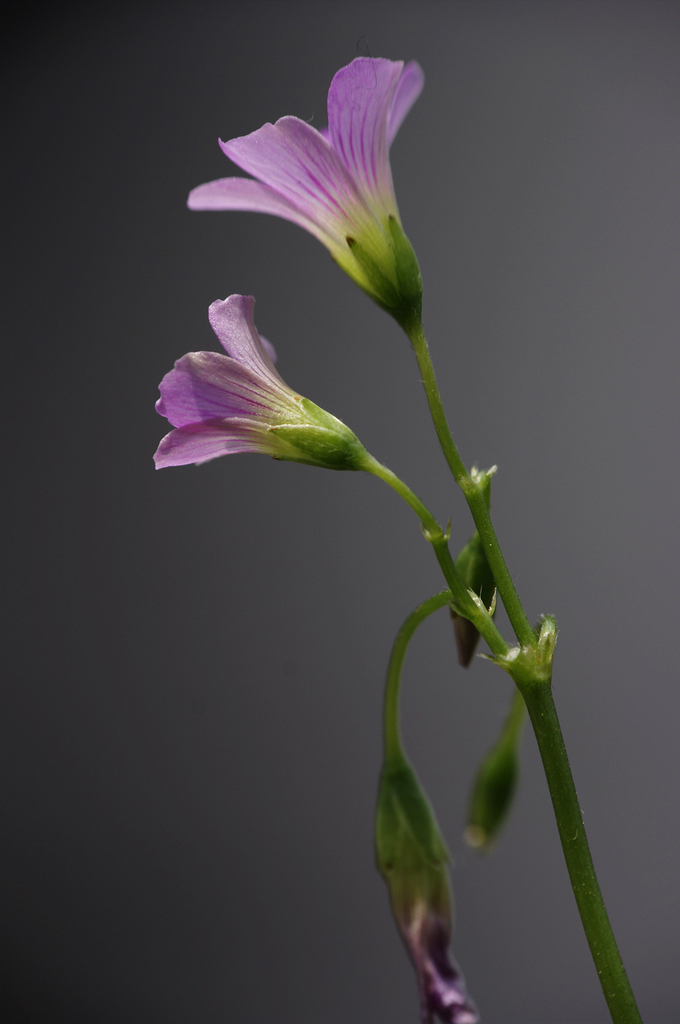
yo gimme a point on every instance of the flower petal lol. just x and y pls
(359, 102)
(200, 442)
(232, 321)
(252, 196)
(208, 386)
(409, 88)
(300, 165)
(442, 986)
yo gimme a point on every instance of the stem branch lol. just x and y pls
(466, 603)
(473, 494)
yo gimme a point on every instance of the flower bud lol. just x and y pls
(495, 784)
(492, 793)
(413, 860)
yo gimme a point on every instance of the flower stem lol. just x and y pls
(393, 746)
(466, 604)
(473, 493)
(536, 691)
(604, 950)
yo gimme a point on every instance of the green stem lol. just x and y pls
(605, 953)
(393, 746)
(461, 596)
(473, 493)
(539, 702)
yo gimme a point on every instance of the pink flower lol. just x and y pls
(336, 183)
(223, 404)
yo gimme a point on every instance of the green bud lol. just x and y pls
(495, 784)
(492, 793)
(410, 851)
(473, 568)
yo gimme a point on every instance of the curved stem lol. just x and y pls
(393, 747)
(473, 493)
(604, 950)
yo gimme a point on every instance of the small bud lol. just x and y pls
(413, 860)
(492, 793)
(495, 784)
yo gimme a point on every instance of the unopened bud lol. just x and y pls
(413, 859)
(495, 784)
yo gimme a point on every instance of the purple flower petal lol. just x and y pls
(409, 88)
(200, 442)
(444, 991)
(335, 183)
(233, 323)
(209, 386)
(297, 162)
(254, 197)
(269, 349)
(222, 404)
(359, 103)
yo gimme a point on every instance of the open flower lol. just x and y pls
(413, 859)
(221, 404)
(336, 183)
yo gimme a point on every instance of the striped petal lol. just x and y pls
(407, 91)
(254, 197)
(200, 442)
(302, 167)
(232, 321)
(359, 102)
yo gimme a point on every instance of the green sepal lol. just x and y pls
(406, 832)
(410, 852)
(322, 441)
(394, 282)
(381, 289)
(409, 280)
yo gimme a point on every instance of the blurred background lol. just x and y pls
(194, 659)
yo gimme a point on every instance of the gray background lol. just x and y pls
(195, 657)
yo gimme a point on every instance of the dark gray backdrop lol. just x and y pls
(195, 657)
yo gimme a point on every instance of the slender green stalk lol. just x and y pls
(393, 746)
(476, 611)
(613, 978)
(473, 493)
(535, 688)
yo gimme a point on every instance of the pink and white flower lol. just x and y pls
(223, 404)
(335, 183)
